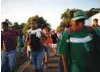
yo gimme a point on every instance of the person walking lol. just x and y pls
(47, 44)
(80, 46)
(55, 41)
(8, 50)
(20, 45)
(34, 38)
(96, 26)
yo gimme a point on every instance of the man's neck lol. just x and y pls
(76, 30)
(33, 28)
(96, 25)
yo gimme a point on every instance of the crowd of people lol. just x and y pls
(37, 44)
(78, 45)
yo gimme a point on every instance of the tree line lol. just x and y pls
(68, 14)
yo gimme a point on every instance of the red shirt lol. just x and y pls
(48, 41)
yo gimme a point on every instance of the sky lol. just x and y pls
(51, 10)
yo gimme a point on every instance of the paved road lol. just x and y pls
(20, 61)
(52, 65)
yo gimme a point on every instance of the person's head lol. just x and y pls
(18, 37)
(4, 25)
(46, 32)
(95, 22)
(78, 20)
(33, 23)
(53, 32)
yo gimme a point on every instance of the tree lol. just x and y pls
(21, 26)
(9, 23)
(16, 25)
(66, 19)
(92, 12)
(41, 21)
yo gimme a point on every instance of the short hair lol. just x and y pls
(95, 20)
(32, 19)
(36, 21)
(5, 23)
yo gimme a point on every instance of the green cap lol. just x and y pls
(79, 14)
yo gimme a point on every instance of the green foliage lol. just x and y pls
(16, 25)
(21, 26)
(66, 19)
(92, 12)
(9, 23)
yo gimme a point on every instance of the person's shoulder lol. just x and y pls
(99, 27)
(89, 28)
(38, 29)
(65, 33)
(11, 31)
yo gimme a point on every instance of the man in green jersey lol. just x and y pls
(75, 45)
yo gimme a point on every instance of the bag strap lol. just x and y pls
(69, 47)
(68, 32)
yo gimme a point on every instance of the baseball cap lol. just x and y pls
(79, 14)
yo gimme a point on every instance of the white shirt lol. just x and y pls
(36, 31)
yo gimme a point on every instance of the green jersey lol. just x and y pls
(78, 51)
(20, 43)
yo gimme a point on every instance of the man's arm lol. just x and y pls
(26, 41)
(64, 59)
(62, 50)
(42, 38)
